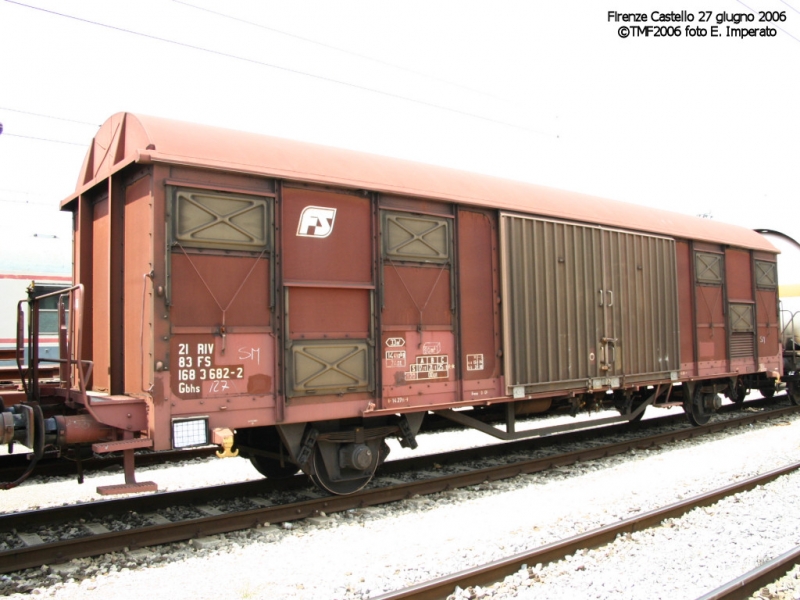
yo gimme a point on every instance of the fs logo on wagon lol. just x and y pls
(316, 221)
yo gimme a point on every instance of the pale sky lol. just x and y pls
(545, 92)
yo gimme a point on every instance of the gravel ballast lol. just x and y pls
(363, 553)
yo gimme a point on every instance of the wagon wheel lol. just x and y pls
(271, 468)
(738, 393)
(768, 392)
(695, 408)
(794, 392)
(344, 469)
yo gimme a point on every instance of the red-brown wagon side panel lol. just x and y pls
(82, 254)
(709, 291)
(416, 297)
(327, 237)
(138, 297)
(318, 313)
(418, 341)
(685, 308)
(765, 271)
(100, 300)
(479, 309)
(738, 275)
(741, 311)
(328, 294)
(203, 285)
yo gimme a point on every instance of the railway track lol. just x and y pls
(746, 585)
(257, 510)
(495, 571)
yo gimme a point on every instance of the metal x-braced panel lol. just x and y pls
(416, 238)
(330, 366)
(224, 221)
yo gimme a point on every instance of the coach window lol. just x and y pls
(48, 307)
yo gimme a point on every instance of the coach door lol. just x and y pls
(328, 288)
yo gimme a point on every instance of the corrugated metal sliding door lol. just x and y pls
(640, 303)
(583, 304)
(328, 292)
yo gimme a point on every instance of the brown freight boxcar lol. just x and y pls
(300, 304)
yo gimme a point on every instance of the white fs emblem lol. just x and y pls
(316, 221)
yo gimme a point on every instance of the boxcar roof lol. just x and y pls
(127, 138)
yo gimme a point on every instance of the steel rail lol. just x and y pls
(746, 585)
(497, 570)
(153, 502)
(92, 545)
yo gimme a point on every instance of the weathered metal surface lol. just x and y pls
(329, 367)
(79, 429)
(126, 138)
(418, 368)
(416, 296)
(204, 286)
(586, 303)
(479, 306)
(327, 237)
(709, 298)
(100, 300)
(686, 309)
(766, 280)
(741, 310)
(138, 291)
(319, 312)
(418, 349)
(328, 273)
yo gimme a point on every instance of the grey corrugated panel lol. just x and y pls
(566, 286)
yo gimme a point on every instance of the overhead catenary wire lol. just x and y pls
(342, 50)
(775, 25)
(283, 68)
(41, 139)
(26, 112)
(790, 6)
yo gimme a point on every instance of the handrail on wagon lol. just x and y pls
(70, 343)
